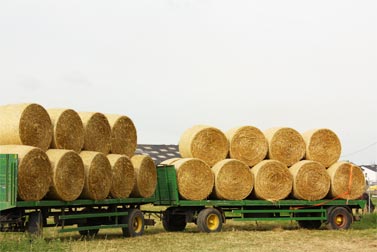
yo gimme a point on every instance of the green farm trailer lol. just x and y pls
(84, 216)
(209, 215)
(88, 216)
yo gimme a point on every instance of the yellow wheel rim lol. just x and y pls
(137, 224)
(339, 220)
(213, 222)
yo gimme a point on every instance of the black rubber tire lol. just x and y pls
(339, 218)
(135, 222)
(173, 222)
(310, 224)
(35, 224)
(209, 220)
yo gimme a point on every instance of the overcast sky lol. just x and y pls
(170, 64)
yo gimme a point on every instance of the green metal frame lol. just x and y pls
(8, 200)
(8, 181)
(291, 209)
(8, 192)
(166, 195)
(76, 216)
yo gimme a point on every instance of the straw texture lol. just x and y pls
(123, 176)
(195, 178)
(97, 132)
(25, 124)
(322, 145)
(273, 181)
(204, 142)
(285, 145)
(347, 180)
(123, 135)
(34, 171)
(68, 175)
(248, 144)
(145, 176)
(98, 175)
(310, 180)
(169, 161)
(233, 180)
(68, 129)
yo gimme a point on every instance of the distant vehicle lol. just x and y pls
(372, 188)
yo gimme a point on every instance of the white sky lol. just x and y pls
(170, 64)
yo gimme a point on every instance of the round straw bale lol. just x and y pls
(68, 130)
(233, 180)
(145, 176)
(68, 175)
(34, 171)
(204, 142)
(272, 180)
(25, 124)
(247, 144)
(123, 176)
(98, 175)
(97, 132)
(285, 145)
(123, 135)
(195, 178)
(347, 181)
(170, 161)
(322, 145)
(310, 180)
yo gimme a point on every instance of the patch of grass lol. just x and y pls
(24, 242)
(236, 236)
(368, 221)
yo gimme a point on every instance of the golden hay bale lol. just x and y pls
(247, 144)
(123, 176)
(68, 175)
(204, 142)
(97, 132)
(68, 129)
(310, 180)
(25, 124)
(34, 171)
(322, 145)
(169, 161)
(233, 180)
(272, 180)
(195, 178)
(98, 175)
(285, 145)
(145, 176)
(347, 180)
(123, 135)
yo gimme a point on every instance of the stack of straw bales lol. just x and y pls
(68, 174)
(204, 142)
(194, 178)
(34, 171)
(233, 180)
(68, 129)
(25, 124)
(283, 162)
(310, 180)
(145, 176)
(64, 154)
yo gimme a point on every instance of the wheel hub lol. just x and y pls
(137, 224)
(213, 222)
(339, 220)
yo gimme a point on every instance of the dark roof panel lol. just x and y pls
(370, 167)
(158, 152)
